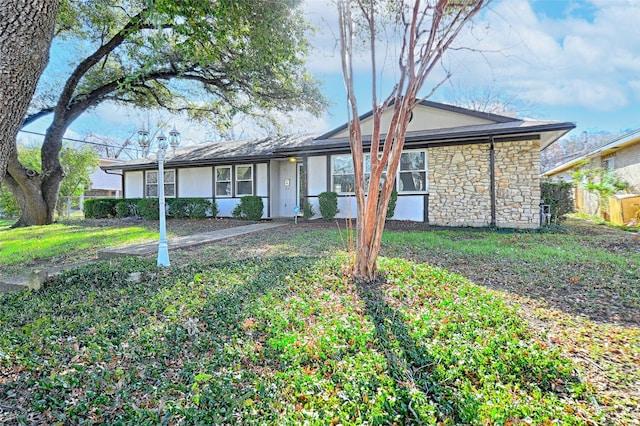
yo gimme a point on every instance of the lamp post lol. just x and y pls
(163, 143)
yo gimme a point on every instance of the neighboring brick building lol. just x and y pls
(459, 168)
(622, 156)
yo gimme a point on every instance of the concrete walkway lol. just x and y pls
(35, 278)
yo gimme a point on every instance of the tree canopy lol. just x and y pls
(210, 60)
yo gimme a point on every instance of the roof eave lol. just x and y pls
(626, 140)
(553, 130)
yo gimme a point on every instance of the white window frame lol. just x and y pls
(608, 162)
(396, 183)
(229, 181)
(169, 179)
(333, 174)
(423, 170)
(238, 181)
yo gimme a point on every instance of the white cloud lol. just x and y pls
(584, 55)
(569, 61)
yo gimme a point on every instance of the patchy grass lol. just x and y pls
(577, 290)
(59, 243)
(284, 340)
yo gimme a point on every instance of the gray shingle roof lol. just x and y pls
(250, 150)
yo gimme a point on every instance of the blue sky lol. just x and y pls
(568, 60)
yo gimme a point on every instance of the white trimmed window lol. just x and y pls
(244, 180)
(151, 183)
(608, 162)
(412, 176)
(342, 174)
(223, 181)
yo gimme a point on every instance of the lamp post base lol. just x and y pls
(163, 254)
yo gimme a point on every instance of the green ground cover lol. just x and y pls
(280, 340)
(468, 327)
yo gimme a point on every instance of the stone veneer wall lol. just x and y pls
(459, 185)
(517, 184)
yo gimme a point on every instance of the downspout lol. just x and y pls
(492, 180)
(121, 178)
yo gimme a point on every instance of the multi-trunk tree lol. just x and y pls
(425, 30)
(207, 59)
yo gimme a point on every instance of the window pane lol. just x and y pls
(412, 181)
(412, 161)
(169, 190)
(245, 188)
(223, 174)
(223, 189)
(243, 173)
(169, 176)
(343, 183)
(152, 190)
(342, 165)
(152, 177)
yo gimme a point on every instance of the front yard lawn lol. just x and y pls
(49, 246)
(280, 340)
(265, 329)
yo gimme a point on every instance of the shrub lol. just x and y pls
(250, 207)
(237, 211)
(104, 209)
(123, 208)
(559, 197)
(100, 208)
(178, 207)
(198, 208)
(8, 204)
(391, 208)
(328, 204)
(213, 209)
(307, 210)
(149, 208)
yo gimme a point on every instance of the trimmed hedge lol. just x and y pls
(100, 208)
(250, 207)
(328, 202)
(147, 208)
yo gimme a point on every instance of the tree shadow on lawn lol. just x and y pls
(97, 340)
(410, 367)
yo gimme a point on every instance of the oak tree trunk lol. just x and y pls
(26, 31)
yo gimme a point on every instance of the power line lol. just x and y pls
(81, 141)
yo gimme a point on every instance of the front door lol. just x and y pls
(287, 189)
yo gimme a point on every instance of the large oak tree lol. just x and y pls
(26, 30)
(210, 59)
(425, 30)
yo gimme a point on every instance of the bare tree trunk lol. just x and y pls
(429, 27)
(26, 31)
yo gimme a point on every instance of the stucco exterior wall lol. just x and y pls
(134, 184)
(517, 171)
(459, 185)
(195, 182)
